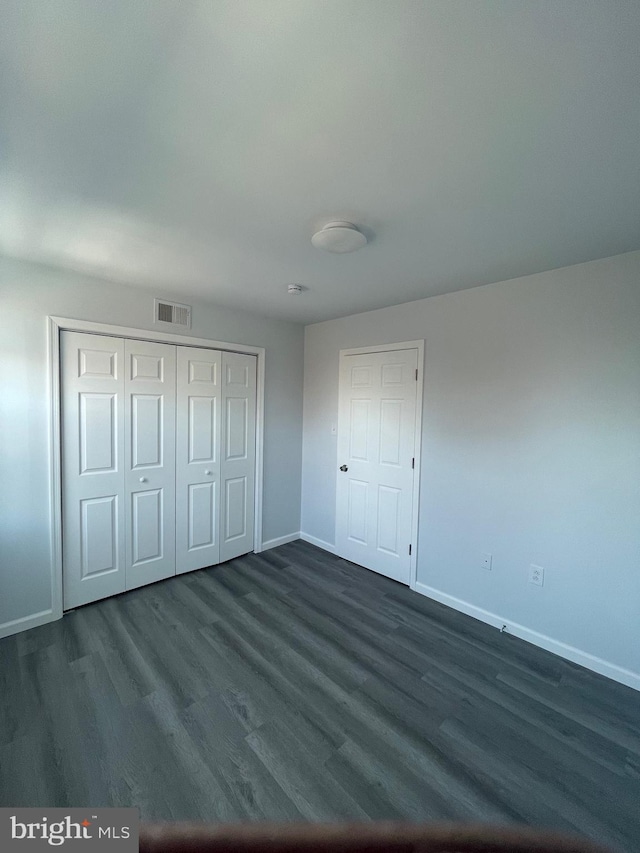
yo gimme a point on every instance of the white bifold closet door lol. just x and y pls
(93, 505)
(158, 447)
(149, 461)
(237, 462)
(198, 459)
(215, 464)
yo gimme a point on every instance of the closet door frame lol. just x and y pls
(56, 325)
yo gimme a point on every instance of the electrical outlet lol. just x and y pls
(486, 562)
(536, 575)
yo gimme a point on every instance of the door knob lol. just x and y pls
(143, 479)
(208, 473)
(344, 467)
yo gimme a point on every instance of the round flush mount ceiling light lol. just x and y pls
(339, 237)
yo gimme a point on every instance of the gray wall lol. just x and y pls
(531, 448)
(28, 294)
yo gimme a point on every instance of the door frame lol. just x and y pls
(419, 345)
(56, 325)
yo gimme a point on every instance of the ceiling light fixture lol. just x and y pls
(339, 237)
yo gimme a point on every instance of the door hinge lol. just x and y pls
(409, 550)
(416, 374)
(413, 461)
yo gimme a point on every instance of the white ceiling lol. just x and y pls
(193, 146)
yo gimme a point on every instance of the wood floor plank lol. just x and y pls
(301, 774)
(246, 782)
(294, 685)
(557, 806)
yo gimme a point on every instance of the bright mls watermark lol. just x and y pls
(103, 830)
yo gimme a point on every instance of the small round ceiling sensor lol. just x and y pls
(339, 237)
(294, 288)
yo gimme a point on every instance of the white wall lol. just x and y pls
(531, 451)
(28, 294)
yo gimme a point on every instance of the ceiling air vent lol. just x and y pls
(172, 312)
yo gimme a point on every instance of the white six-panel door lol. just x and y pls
(93, 467)
(150, 417)
(198, 459)
(158, 447)
(376, 449)
(238, 458)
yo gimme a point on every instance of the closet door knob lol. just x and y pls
(143, 479)
(208, 473)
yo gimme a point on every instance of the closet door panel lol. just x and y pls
(238, 454)
(150, 410)
(93, 506)
(198, 458)
(202, 515)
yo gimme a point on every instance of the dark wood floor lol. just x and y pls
(294, 685)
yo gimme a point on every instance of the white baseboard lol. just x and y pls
(603, 667)
(26, 622)
(280, 540)
(320, 543)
